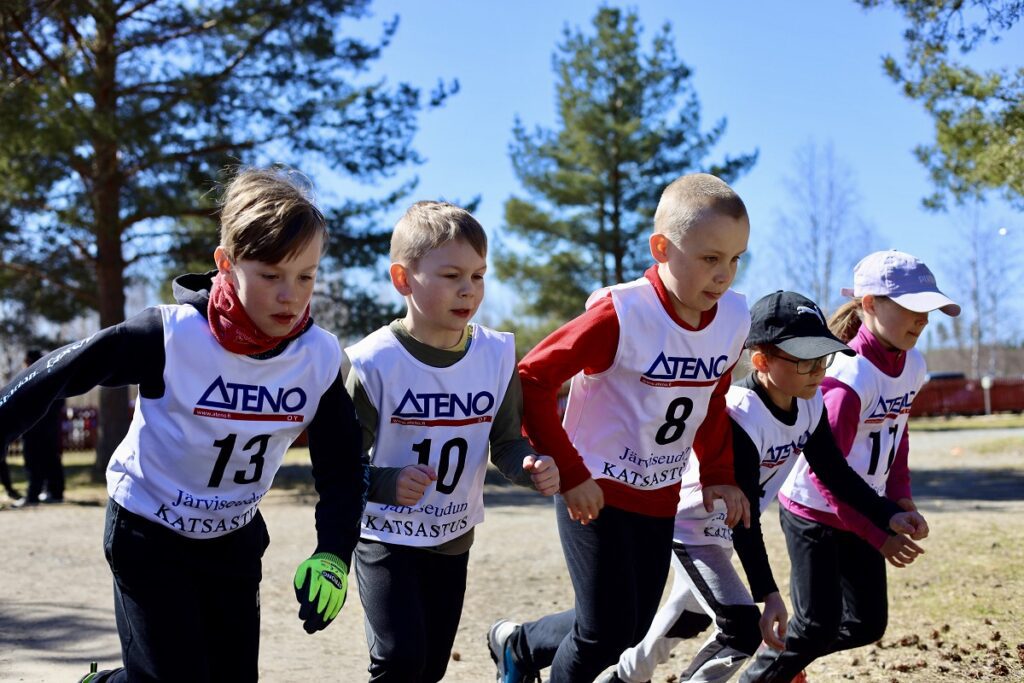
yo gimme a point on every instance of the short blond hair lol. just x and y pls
(689, 199)
(428, 225)
(269, 215)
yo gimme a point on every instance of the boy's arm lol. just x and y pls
(713, 442)
(383, 486)
(749, 543)
(508, 445)
(131, 352)
(340, 472)
(840, 485)
(588, 343)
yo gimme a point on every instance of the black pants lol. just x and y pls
(618, 564)
(187, 610)
(41, 446)
(412, 598)
(838, 591)
(5, 477)
(44, 469)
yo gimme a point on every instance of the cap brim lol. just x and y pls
(808, 348)
(924, 302)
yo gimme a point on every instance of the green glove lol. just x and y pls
(321, 583)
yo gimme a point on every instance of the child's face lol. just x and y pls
(897, 327)
(784, 375)
(443, 291)
(275, 295)
(699, 270)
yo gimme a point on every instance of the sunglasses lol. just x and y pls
(805, 366)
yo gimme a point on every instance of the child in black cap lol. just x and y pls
(776, 414)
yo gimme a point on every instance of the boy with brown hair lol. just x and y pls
(650, 362)
(434, 394)
(228, 378)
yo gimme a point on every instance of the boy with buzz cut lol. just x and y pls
(434, 393)
(228, 378)
(650, 362)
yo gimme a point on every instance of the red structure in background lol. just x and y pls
(943, 394)
(954, 394)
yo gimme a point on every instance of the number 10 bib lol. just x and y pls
(440, 417)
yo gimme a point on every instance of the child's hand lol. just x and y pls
(543, 472)
(920, 526)
(900, 550)
(584, 501)
(911, 523)
(773, 621)
(412, 482)
(736, 504)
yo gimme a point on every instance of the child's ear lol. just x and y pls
(759, 360)
(400, 278)
(220, 257)
(659, 247)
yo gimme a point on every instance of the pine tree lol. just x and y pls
(117, 116)
(629, 123)
(978, 115)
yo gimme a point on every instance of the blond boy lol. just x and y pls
(434, 393)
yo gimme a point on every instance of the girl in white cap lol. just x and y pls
(837, 579)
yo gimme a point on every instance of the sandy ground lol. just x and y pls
(56, 613)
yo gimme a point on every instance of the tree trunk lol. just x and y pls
(114, 416)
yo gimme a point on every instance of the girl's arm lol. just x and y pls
(340, 472)
(897, 486)
(841, 486)
(749, 543)
(131, 352)
(842, 406)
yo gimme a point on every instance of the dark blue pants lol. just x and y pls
(186, 609)
(412, 598)
(618, 564)
(838, 589)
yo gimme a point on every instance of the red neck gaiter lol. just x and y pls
(233, 328)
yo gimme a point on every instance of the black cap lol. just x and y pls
(794, 324)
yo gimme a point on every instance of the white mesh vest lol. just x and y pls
(779, 445)
(436, 416)
(200, 458)
(884, 410)
(635, 422)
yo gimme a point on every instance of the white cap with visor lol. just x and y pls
(903, 278)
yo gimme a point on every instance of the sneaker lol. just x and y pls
(501, 653)
(13, 494)
(24, 503)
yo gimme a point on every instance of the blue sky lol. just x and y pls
(782, 73)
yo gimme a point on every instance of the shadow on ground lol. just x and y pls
(997, 485)
(46, 633)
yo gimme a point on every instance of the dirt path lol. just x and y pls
(56, 614)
